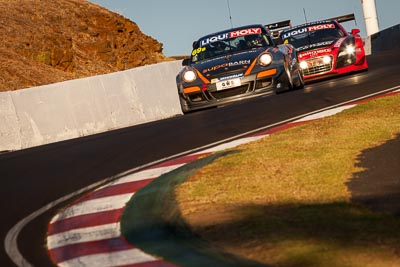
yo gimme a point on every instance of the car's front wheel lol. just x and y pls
(184, 106)
(285, 81)
(298, 80)
(290, 84)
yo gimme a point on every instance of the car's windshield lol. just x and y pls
(229, 42)
(314, 34)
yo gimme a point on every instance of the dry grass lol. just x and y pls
(17, 72)
(284, 201)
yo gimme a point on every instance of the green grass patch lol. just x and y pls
(283, 200)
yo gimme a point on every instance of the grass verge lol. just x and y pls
(284, 200)
(152, 222)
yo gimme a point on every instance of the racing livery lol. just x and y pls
(235, 64)
(325, 48)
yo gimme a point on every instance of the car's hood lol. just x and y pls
(231, 63)
(315, 46)
(319, 49)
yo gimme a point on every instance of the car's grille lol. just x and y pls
(316, 66)
(261, 84)
(228, 73)
(198, 97)
(230, 92)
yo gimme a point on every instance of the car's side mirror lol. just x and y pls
(355, 31)
(185, 62)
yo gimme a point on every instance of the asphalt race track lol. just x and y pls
(35, 177)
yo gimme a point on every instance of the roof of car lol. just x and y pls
(311, 24)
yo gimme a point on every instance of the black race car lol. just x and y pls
(235, 64)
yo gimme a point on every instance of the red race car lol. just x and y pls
(325, 48)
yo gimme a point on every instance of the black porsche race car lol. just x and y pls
(236, 64)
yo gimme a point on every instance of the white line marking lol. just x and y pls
(326, 113)
(94, 206)
(146, 174)
(88, 234)
(120, 258)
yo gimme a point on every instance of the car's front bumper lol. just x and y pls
(250, 87)
(319, 70)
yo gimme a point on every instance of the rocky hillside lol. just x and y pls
(47, 41)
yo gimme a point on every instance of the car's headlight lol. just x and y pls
(189, 76)
(265, 59)
(303, 65)
(327, 59)
(350, 49)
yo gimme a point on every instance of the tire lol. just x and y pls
(289, 78)
(286, 82)
(299, 80)
(184, 106)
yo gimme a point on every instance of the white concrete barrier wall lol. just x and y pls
(9, 125)
(66, 110)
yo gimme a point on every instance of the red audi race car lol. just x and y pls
(235, 64)
(325, 48)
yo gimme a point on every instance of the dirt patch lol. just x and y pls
(51, 41)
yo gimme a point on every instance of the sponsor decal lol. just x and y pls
(247, 52)
(240, 62)
(308, 29)
(245, 32)
(206, 62)
(318, 22)
(198, 51)
(227, 65)
(227, 78)
(227, 35)
(311, 46)
(340, 41)
(321, 27)
(213, 39)
(314, 53)
(293, 33)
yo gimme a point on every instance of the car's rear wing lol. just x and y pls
(277, 27)
(344, 18)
